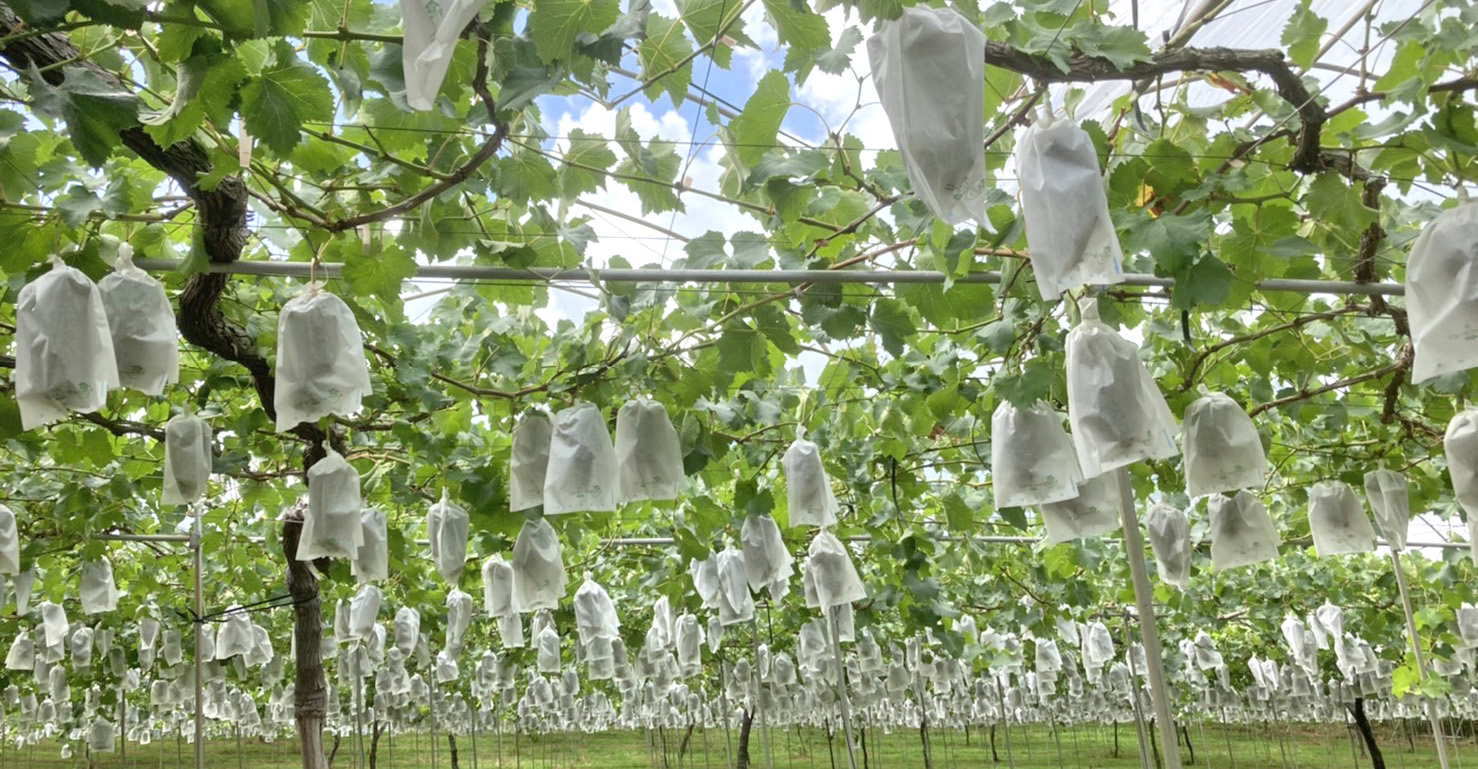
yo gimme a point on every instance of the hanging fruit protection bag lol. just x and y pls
(1391, 502)
(447, 529)
(929, 68)
(1338, 521)
(321, 368)
(1461, 446)
(187, 459)
(1033, 461)
(332, 526)
(1442, 294)
(530, 462)
(145, 340)
(1068, 230)
(1093, 512)
(649, 455)
(1242, 532)
(1170, 539)
(831, 567)
(539, 577)
(767, 561)
(1117, 413)
(807, 488)
(432, 29)
(582, 469)
(1223, 452)
(64, 355)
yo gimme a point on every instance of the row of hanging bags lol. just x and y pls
(572, 465)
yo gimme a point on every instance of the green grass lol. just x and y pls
(1087, 747)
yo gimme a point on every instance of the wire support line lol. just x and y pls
(596, 276)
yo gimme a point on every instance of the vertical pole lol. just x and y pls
(1421, 660)
(844, 700)
(1149, 632)
(198, 545)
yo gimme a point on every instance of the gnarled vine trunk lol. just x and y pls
(310, 694)
(1362, 723)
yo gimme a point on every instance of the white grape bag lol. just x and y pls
(1391, 502)
(1032, 459)
(1223, 452)
(704, 574)
(1170, 539)
(1338, 521)
(649, 455)
(446, 530)
(735, 603)
(407, 630)
(766, 559)
(529, 462)
(510, 631)
(364, 611)
(830, 565)
(1242, 532)
(10, 544)
(458, 620)
(497, 587)
(234, 636)
(432, 29)
(582, 463)
(321, 368)
(99, 593)
(929, 69)
(446, 667)
(662, 620)
(54, 623)
(808, 491)
(145, 340)
(1461, 445)
(187, 459)
(22, 654)
(1442, 294)
(688, 643)
(595, 615)
(1068, 229)
(539, 577)
(63, 349)
(546, 641)
(1117, 413)
(332, 527)
(101, 736)
(372, 558)
(1093, 512)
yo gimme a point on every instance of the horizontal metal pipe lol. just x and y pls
(145, 537)
(787, 277)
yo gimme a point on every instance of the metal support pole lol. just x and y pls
(1148, 631)
(197, 545)
(1421, 660)
(844, 700)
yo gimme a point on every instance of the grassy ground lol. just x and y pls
(1280, 747)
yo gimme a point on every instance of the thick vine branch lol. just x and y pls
(1307, 393)
(221, 213)
(1081, 68)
